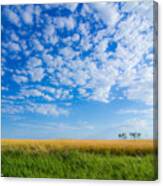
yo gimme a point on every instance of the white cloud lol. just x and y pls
(70, 23)
(31, 92)
(34, 62)
(14, 46)
(65, 22)
(14, 37)
(48, 89)
(35, 69)
(38, 45)
(12, 109)
(56, 126)
(81, 77)
(84, 29)
(85, 44)
(13, 17)
(3, 88)
(141, 87)
(136, 111)
(72, 6)
(95, 72)
(143, 8)
(83, 92)
(68, 52)
(50, 35)
(135, 125)
(36, 93)
(37, 74)
(49, 60)
(44, 109)
(75, 37)
(47, 109)
(27, 14)
(20, 79)
(108, 13)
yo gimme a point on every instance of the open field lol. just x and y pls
(87, 159)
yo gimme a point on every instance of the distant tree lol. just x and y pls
(132, 134)
(138, 134)
(122, 135)
(135, 135)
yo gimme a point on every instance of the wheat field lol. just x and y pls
(113, 146)
(84, 159)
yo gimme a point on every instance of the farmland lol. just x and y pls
(87, 159)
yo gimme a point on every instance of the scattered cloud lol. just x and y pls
(14, 46)
(13, 17)
(47, 109)
(37, 74)
(35, 108)
(65, 22)
(148, 111)
(27, 14)
(110, 17)
(73, 56)
(135, 125)
(20, 79)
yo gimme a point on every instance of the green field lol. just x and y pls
(20, 160)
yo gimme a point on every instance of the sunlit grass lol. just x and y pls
(87, 159)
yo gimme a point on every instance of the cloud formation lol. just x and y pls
(78, 51)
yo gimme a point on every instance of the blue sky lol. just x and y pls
(80, 71)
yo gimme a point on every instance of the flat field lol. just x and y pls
(85, 159)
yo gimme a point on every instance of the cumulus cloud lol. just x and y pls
(72, 6)
(34, 62)
(47, 109)
(136, 125)
(73, 53)
(43, 109)
(37, 74)
(20, 79)
(14, 46)
(108, 12)
(38, 45)
(35, 69)
(13, 17)
(27, 14)
(65, 22)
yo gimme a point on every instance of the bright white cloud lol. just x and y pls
(80, 61)
(13, 17)
(27, 14)
(75, 37)
(38, 45)
(135, 125)
(47, 109)
(34, 62)
(35, 70)
(20, 79)
(108, 12)
(44, 109)
(72, 6)
(14, 46)
(37, 74)
(14, 37)
(65, 22)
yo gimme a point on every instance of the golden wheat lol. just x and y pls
(113, 146)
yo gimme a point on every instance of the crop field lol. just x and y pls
(85, 159)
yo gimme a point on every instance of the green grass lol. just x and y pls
(77, 164)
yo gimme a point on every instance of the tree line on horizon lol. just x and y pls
(133, 135)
